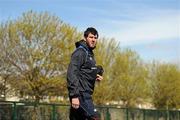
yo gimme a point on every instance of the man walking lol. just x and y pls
(81, 76)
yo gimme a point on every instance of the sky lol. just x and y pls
(150, 27)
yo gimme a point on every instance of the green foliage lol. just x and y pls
(36, 47)
(130, 79)
(105, 53)
(165, 85)
(124, 78)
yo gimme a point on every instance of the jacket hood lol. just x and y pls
(83, 43)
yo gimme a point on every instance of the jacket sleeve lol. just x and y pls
(77, 60)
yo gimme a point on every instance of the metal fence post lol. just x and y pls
(108, 117)
(167, 114)
(127, 116)
(53, 112)
(157, 116)
(14, 117)
(144, 114)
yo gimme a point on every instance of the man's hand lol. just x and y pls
(75, 103)
(99, 77)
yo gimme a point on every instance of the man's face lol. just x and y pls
(91, 40)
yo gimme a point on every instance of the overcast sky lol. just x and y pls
(150, 27)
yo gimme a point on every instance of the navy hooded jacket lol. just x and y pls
(82, 71)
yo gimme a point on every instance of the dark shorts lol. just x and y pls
(86, 109)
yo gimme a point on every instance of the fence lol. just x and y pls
(42, 111)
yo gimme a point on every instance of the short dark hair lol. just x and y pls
(90, 30)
